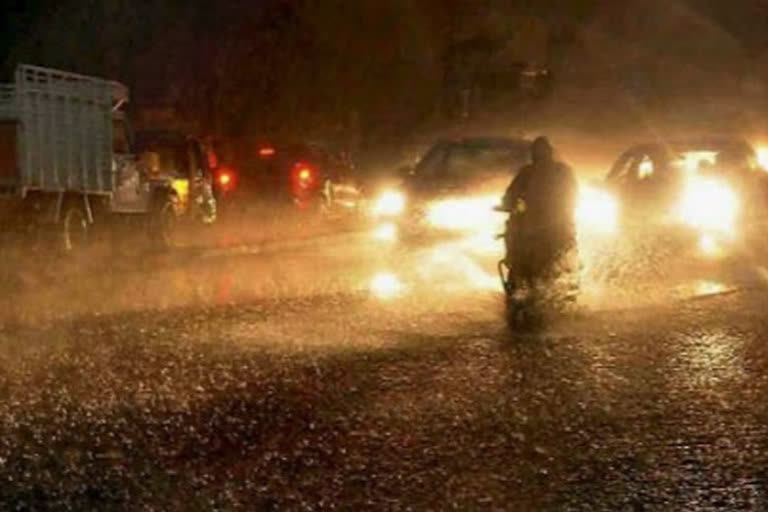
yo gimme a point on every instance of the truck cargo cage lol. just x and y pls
(62, 126)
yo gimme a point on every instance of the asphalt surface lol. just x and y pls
(336, 375)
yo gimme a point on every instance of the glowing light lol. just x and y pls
(483, 244)
(386, 285)
(645, 170)
(596, 211)
(386, 232)
(710, 205)
(181, 187)
(225, 179)
(472, 214)
(305, 174)
(455, 258)
(266, 152)
(762, 157)
(692, 160)
(389, 204)
(709, 288)
(213, 160)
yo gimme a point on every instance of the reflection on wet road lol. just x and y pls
(352, 263)
(347, 375)
(386, 285)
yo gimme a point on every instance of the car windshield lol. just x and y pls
(711, 158)
(459, 161)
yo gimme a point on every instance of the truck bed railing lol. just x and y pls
(52, 81)
(63, 129)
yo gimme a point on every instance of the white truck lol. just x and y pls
(66, 160)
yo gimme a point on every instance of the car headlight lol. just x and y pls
(470, 214)
(389, 204)
(596, 210)
(709, 204)
(762, 157)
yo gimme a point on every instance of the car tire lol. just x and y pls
(163, 222)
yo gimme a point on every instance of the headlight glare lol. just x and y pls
(709, 204)
(389, 204)
(597, 210)
(475, 214)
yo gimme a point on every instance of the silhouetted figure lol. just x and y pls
(541, 230)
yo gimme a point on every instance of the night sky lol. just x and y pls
(17, 16)
(249, 60)
(746, 20)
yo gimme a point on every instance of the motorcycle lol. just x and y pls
(533, 291)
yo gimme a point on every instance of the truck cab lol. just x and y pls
(173, 157)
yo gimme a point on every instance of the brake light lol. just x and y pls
(266, 152)
(304, 175)
(225, 178)
(213, 160)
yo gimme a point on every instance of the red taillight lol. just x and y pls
(213, 160)
(304, 175)
(266, 152)
(225, 178)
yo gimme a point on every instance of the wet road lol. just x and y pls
(329, 375)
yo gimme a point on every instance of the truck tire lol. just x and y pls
(163, 222)
(74, 230)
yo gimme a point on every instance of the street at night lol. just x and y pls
(417, 255)
(283, 381)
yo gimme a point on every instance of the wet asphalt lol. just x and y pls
(335, 375)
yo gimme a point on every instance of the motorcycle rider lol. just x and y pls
(541, 231)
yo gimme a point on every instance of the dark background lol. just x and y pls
(369, 71)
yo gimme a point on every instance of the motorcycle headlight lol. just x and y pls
(709, 204)
(389, 204)
(596, 210)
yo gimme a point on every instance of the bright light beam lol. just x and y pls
(389, 204)
(386, 286)
(386, 232)
(596, 211)
(475, 214)
(709, 205)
